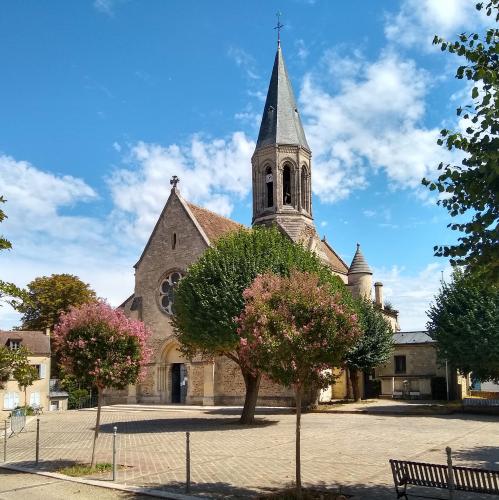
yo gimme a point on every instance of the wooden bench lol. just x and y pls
(448, 477)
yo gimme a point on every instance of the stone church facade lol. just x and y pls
(282, 195)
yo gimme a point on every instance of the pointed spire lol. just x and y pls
(281, 123)
(359, 263)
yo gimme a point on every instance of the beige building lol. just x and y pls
(415, 372)
(38, 343)
(282, 195)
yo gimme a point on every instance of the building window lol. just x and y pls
(269, 185)
(34, 399)
(14, 344)
(10, 400)
(41, 370)
(174, 241)
(400, 364)
(167, 292)
(286, 185)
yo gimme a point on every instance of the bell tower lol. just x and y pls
(281, 163)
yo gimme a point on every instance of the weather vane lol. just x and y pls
(279, 27)
(174, 181)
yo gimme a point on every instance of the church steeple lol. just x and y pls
(281, 162)
(281, 123)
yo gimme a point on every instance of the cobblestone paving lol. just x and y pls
(345, 450)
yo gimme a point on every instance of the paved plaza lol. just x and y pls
(338, 450)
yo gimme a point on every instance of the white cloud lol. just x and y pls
(369, 213)
(418, 21)
(412, 292)
(245, 61)
(368, 120)
(106, 6)
(211, 173)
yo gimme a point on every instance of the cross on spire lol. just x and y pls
(174, 181)
(279, 27)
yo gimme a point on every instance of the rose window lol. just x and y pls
(167, 292)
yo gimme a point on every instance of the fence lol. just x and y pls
(89, 401)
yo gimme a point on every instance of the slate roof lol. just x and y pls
(336, 262)
(281, 123)
(37, 342)
(213, 225)
(359, 263)
(404, 338)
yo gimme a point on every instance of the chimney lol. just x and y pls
(378, 294)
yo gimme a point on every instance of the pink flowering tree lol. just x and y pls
(101, 348)
(295, 330)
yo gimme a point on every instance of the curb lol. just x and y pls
(102, 484)
(387, 413)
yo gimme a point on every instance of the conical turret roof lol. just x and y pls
(281, 123)
(359, 263)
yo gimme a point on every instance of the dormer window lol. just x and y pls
(14, 344)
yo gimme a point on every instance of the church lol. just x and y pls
(282, 195)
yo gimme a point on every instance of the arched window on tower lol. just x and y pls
(269, 186)
(286, 185)
(304, 188)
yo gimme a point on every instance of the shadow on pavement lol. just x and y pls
(486, 457)
(182, 425)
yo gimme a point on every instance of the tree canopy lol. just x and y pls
(50, 296)
(464, 320)
(472, 188)
(373, 347)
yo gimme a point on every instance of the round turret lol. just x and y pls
(360, 276)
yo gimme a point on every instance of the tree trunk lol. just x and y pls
(354, 376)
(349, 394)
(25, 401)
(252, 384)
(298, 393)
(97, 425)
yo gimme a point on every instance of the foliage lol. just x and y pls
(473, 187)
(295, 329)
(373, 347)
(101, 348)
(464, 320)
(76, 393)
(8, 289)
(210, 298)
(23, 372)
(78, 470)
(5, 365)
(50, 296)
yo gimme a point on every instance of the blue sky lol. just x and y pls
(102, 101)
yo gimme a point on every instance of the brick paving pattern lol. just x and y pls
(345, 450)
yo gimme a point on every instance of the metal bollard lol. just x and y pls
(450, 472)
(187, 462)
(115, 429)
(5, 441)
(37, 440)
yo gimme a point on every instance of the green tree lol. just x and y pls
(374, 346)
(472, 188)
(23, 372)
(464, 321)
(295, 329)
(210, 297)
(5, 365)
(102, 348)
(50, 296)
(8, 291)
